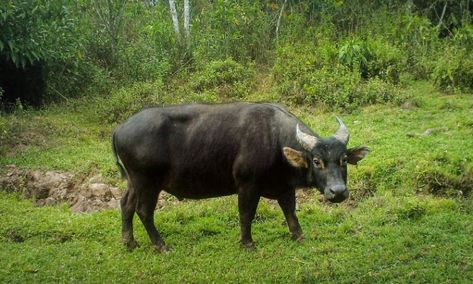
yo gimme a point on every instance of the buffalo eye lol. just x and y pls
(318, 163)
(344, 161)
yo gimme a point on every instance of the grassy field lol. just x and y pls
(410, 217)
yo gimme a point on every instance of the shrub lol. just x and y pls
(355, 55)
(454, 69)
(227, 78)
(125, 101)
(3, 134)
(373, 58)
(140, 62)
(411, 38)
(294, 63)
(341, 88)
(387, 61)
(237, 29)
(312, 75)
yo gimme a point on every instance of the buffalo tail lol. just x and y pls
(117, 159)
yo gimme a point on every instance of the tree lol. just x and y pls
(110, 17)
(175, 19)
(187, 20)
(35, 34)
(175, 22)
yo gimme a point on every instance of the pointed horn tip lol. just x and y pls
(298, 129)
(339, 120)
(342, 133)
(306, 140)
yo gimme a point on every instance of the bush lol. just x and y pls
(312, 75)
(408, 39)
(125, 101)
(3, 134)
(227, 78)
(355, 55)
(387, 61)
(454, 69)
(341, 88)
(238, 29)
(373, 58)
(140, 62)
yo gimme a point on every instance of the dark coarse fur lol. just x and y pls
(201, 151)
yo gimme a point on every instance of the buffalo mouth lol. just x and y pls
(337, 198)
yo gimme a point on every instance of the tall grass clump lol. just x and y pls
(345, 77)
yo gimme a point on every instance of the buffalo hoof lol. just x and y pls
(131, 245)
(248, 245)
(162, 248)
(298, 237)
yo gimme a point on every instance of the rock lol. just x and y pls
(96, 179)
(99, 190)
(41, 185)
(116, 193)
(79, 204)
(13, 180)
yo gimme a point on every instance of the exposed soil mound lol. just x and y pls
(52, 187)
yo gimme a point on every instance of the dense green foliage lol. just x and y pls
(335, 53)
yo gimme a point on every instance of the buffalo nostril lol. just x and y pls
(338, 189)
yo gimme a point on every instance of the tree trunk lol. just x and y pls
(175, 20)
(187, 20)
(443, 14)
(279, 18)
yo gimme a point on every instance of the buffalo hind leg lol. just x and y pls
(247, 204)
(127, 208)
(288, 206)
(148, 197)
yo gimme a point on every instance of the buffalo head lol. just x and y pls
(326, 160)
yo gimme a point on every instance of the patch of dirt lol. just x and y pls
(53, 187)
(441, 184)
(14, 236)
(89, 194)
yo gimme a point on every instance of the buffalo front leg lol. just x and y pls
(288, 206)
(247, 204)
(127, 208)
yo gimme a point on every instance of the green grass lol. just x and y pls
(410, 218)
(385, 239)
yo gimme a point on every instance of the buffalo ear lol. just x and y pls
(295, 158)
(356, 154)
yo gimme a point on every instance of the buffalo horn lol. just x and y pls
(342, 134)
(307, 141)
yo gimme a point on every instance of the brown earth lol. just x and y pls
(89, 194)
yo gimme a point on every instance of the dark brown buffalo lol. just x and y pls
(202, 151)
